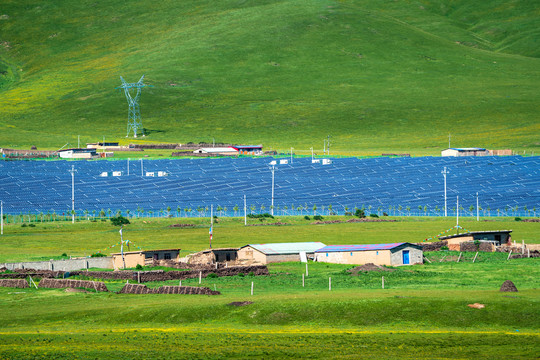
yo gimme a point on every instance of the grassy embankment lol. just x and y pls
(388, 77)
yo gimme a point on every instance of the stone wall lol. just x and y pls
(14, 283)
(143, 289)
(68, 283)
(62, 265)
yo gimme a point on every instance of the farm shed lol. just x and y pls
(134, 258)
(465, 152)
(212, 256)
(78, 153)
(217, 151)
(276, 252)
(379, 254)
(248, 149)
(496, 237)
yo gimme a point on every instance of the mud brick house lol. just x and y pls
(276, 252)
(134, 258)
(212, 256)
(378, 254)
(495, 237)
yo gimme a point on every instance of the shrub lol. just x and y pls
(212, 275)
(317, 217)
(119, 220)
(517, 219)
(373, 215)
(241, 274)
(360, 213)
(138, 267)
(32, 225)
(98, 255)
(64, 255)
(260, 216)
(384, 214)
(477, 243)
(347, 213)
(251, 273)
(24, 225)
(306, 217)
(444, 247)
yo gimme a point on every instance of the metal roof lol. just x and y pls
(287, 248)
(475, 233)
(468, 149)
(366, 247)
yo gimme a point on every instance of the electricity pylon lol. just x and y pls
(134, 114)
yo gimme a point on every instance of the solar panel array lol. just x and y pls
(375, 183)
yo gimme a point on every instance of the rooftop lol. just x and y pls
(468, 149)
(366, 247)
(287, 248)
(475, 233)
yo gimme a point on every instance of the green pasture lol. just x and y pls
(50, 240)
(378, 76)
(421, 313)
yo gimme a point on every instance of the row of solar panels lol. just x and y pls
(347, 182)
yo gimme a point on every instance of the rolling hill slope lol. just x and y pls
(377, 76)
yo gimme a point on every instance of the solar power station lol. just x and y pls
(377, 184)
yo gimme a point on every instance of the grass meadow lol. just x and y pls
(421, 313)
(379, 77)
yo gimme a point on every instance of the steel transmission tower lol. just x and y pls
(134, 114)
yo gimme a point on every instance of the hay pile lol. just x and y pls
(68, 283)
(368, 267)
(508, 286)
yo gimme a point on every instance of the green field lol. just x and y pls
(51, 239)
(379, 76)
(421, 313)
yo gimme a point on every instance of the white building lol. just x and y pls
(465, 152)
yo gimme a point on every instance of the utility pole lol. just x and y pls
(142, 172)
(245, 211)
(477, 211)
(444, 172)
(72, 171)
(457, 214)
(2, 217)
(291, 155)
(311, 154)
(328, 144)
(272, 207)
(128, 166)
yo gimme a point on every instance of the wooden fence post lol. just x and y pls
(459, 257)
(510, 253)
(475, 257)
(383, 282)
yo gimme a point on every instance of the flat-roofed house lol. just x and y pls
(379, 254)
(473, 151)
(276, 252)
(146, 257)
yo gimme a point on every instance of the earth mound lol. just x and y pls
(508, 286)
(240, 303)
(368, 267)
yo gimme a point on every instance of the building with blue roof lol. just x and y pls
(392, 254)
(277, 252)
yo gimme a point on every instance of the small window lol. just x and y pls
(167, 256)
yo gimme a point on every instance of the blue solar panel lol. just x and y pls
(393, 185)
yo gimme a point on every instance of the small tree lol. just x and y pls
(119, 221)
(168, 211)
(235, 209)
(314, 210)
(178, 211)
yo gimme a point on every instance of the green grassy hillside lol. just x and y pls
(379, 76)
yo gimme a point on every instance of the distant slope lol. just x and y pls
(377, 76)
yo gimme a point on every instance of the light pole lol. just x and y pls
(477, 211)
(457, 213)
(142, 172)
(272, 207)
(444, 172)
(245, 211)
(2, 217)
(72, 171)
(311, 154)
(128, 166)
(291, 154)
